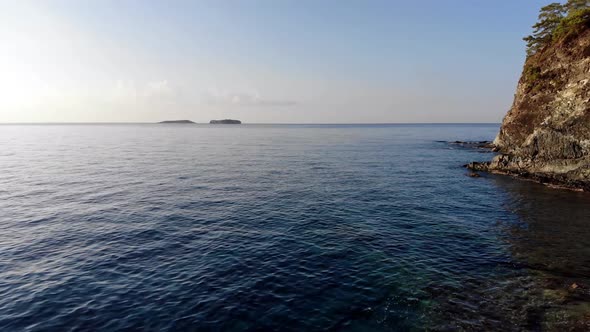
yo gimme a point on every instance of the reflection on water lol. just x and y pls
(545, 283)
(552, 240)
(553, 229)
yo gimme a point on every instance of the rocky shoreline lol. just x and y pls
(559, 181)
(485, 146)
(507, 165)
(545, 136)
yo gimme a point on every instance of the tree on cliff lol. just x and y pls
(549, 19)
(574, 5)
(552, 17)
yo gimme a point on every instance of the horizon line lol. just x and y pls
(248, 123)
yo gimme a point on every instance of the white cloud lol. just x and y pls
(163, 91)
(243, 99)
(160, 90)
(123, 91)
(129, 91)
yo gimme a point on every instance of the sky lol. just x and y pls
(261, 61)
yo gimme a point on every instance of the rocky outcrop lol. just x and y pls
(486, 146)
(225, 121)
(546, 134)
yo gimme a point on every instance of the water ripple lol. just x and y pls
(280, 228)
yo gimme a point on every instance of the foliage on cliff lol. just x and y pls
(546, 134)
(559, 26)
(558, 21)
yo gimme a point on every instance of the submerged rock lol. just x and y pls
(546, 134)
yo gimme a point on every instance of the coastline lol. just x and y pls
(549, 180)
(494, 166)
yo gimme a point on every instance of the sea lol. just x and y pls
(147, 227)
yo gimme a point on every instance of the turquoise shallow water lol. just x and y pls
(280, 227)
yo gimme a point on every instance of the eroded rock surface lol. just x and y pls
(546, 134)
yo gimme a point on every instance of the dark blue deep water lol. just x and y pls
(280, 227)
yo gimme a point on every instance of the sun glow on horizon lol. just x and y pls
(109, 61)
(31, 54)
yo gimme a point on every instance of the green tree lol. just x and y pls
(574, 5)
(549, 18)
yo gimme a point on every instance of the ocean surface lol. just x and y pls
(280, 228)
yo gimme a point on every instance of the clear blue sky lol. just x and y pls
(262, 61)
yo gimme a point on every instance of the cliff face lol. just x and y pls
(546, 133)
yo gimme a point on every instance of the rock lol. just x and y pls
(474, 144)
(474, 175)
(546, 134)
(177, 122)
(478, 166)
(225, 121)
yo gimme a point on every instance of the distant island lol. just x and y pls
(177, 122)
(225, 121)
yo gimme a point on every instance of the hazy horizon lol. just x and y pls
(255, 123)
(251, 123)
(299, 62)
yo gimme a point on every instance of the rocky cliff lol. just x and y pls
(546, 134)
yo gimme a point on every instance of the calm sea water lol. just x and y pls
(280, 227)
